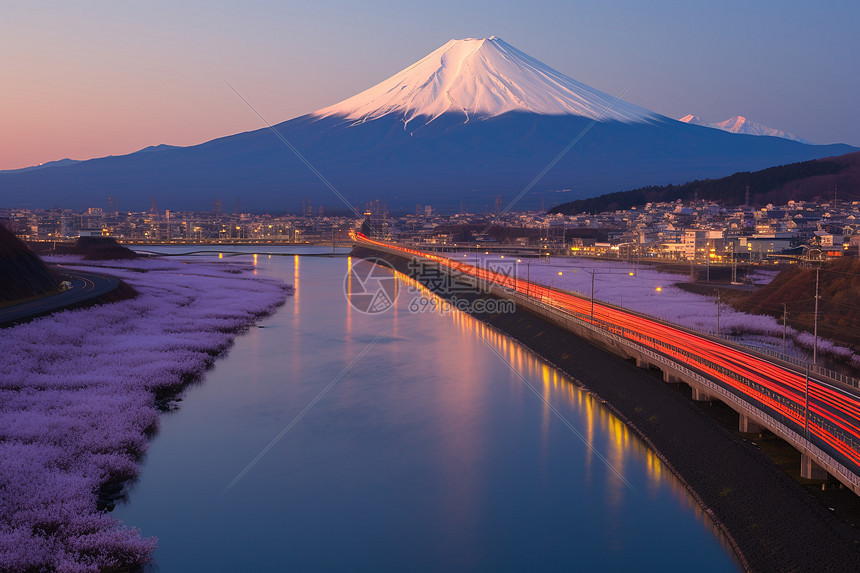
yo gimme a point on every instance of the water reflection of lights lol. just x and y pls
(296, 284)
(554, 384)
(349, 290)
(622, 449)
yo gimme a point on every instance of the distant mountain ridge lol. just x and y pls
(742, 125)
(47, 164)
(474, 120)
(67, 161)
(807, 181)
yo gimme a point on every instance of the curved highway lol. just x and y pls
(826, 412)
(85, 287)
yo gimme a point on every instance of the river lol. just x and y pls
(439, 444)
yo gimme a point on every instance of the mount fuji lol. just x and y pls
(479, 79)
(475, 119)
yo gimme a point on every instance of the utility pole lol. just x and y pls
(806, 416)
(592, 297)
(815, 332)
(528, 277)
(718, 313)
(708, 263)
(784, 321)
(734, 265)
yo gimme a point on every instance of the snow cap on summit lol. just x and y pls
(742, 125)
(481, 78)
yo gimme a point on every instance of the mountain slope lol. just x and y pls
(22, 273)
(740, 124)
(807, 180)
(47, 165)
(405, 141)
(481, 78)
(839, 288)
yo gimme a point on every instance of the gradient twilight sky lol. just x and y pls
(90, 78)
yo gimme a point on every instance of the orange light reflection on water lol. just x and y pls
(348, 304)
(296, 283)
(620, 447)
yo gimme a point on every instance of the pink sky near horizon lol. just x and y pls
(85, 82)
(95, 78)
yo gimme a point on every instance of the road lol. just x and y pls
(85, 287)
(826, 412)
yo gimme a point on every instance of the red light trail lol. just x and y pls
(834, 412)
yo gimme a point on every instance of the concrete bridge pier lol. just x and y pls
(747, 425)
(810, 470)
(700, 395)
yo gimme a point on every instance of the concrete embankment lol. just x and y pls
(771, 520)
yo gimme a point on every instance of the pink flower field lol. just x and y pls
(80, 392)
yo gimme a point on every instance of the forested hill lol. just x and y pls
(839, 315)
(22, 273)
(807, 180)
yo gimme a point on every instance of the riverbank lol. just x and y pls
(773, 522)
(80, 394)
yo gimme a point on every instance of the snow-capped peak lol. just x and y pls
(740, 124)
(481, 78)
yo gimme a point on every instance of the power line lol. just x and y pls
(841, 304)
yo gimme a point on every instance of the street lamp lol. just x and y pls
(592, 273)
(815, 342)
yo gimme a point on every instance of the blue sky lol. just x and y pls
(93, 78)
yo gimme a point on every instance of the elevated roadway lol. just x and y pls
(817, 414)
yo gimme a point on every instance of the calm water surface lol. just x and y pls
(429, 453)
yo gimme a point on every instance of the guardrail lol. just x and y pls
(813, 368)
(776, 423)
(795, 423)
(725, 395)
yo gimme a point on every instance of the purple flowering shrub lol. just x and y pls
(78, 397)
